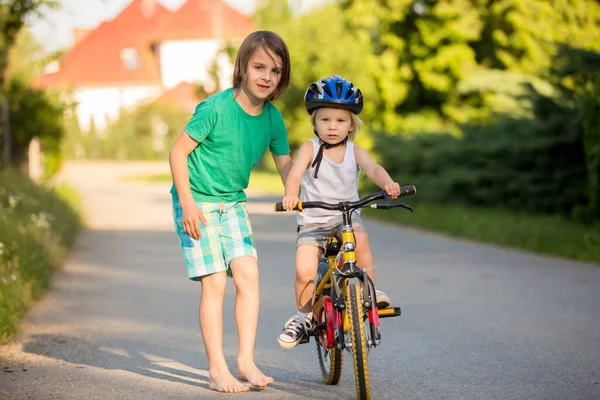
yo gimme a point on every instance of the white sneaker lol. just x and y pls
(383, 301)
(294, 330)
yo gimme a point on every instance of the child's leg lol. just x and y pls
(245, 276)
(204, 263)
(309, 248)
(236, 238)
(307, 262)
(364, 259)
(211, 325)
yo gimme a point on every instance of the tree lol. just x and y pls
(33, 114)
(422, 50)
(26, 60)
(13, 15)
(425, 49)
(320, 45)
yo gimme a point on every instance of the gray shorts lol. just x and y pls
(317, 234)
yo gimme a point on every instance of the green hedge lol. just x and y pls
(533, 165)
(38, 226)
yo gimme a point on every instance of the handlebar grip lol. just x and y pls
(408, 190)
(279, 206)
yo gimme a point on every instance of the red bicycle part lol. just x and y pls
(326, 334)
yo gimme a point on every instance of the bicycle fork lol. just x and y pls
(348, 263)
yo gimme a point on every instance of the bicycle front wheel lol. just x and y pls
(354, 310)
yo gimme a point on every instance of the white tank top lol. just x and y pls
(335, 183)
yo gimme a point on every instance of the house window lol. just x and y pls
(130, 58)
(155, 47)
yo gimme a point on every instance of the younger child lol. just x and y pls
(211, 162)
(327, 169)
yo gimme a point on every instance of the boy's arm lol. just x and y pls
(284, 165)
(178, 155)
(376, 172)
(191, 214)
(294, 179)
(292, 183)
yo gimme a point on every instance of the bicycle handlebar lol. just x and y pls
(404, 191)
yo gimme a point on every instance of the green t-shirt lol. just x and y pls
(230, 143)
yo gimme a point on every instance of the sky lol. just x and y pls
(55, 30)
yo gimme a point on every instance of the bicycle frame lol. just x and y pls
(342, 268)
(341, 308)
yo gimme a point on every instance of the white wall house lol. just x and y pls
(101, 105)
(144, 52)
(200, 56)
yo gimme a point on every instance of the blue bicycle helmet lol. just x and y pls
(333, 91)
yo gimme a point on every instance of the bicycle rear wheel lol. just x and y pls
(330, 360)
(354, 309)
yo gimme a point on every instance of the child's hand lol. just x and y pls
(190, 215)
(289, 202)
(393, 189)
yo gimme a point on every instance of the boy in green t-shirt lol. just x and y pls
(211, 162)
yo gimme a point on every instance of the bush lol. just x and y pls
(33, 113)
(38, 226)
(146, 132)
(533, 165)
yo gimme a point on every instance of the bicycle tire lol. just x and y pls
(354, 310)
(331, 360)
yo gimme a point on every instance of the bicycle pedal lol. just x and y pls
(389, 312)
(305, 339)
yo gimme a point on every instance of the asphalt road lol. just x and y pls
(120, 322)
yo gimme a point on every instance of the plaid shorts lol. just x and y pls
(316, 234)
(227, 235)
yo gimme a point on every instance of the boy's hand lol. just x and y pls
(289, 202)
(393, 189)
(190, 215)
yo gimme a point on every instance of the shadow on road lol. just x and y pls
(144, 358)
(135, 356)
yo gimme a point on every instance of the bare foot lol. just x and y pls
(252, 374)
(226, 382)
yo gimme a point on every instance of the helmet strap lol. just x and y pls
(319, 157)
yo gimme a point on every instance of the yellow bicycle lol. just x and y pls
(346, 312)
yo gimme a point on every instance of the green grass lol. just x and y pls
(38, 226)
(158, 178)
(550, 235)
(268, 183)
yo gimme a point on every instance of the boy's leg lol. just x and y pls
(307, 262)
(211, 313)
(295, 329)
(240, 254)
(310, 246)
(364, 259)
(204, 262)
(245, 276)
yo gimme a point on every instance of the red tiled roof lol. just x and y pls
(96, 60)
(183, 95)
(204, 19)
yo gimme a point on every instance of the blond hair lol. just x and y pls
(356, 122)
(269, 41)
